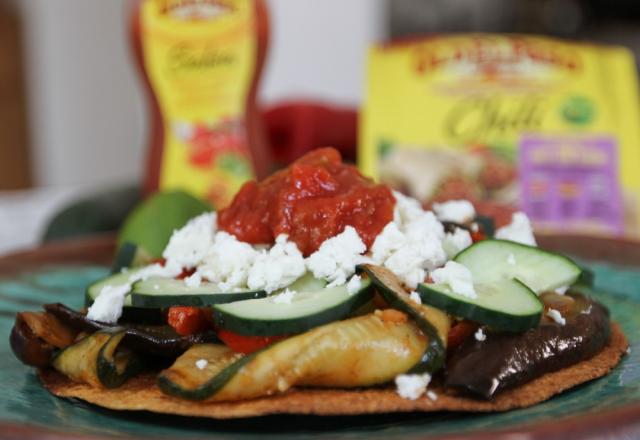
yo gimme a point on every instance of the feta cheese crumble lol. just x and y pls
(194, 280)
(278, 267)
(336, 259)
(410, 245)
(458, 211)
(228, 261)
(432, 395)
(556, 316)
(107, 307)
(407, 209)
(202, 364)
(354, 284)
(519, 230)
(456, 241)
(285, 297)
(457, 277)
(479, 335)
(412, 386)
(189, 245)
(561, 290)
(415, 297)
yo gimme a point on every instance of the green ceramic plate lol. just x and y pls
(611, 403)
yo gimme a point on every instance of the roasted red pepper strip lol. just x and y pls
(246, 344)
(188, 320)
(459, 333)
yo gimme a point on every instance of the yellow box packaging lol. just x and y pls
(523, 122)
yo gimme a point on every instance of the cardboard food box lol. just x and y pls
(509, 121)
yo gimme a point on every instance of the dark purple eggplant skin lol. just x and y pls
(160, 341)
(505, 360)
(28, 347)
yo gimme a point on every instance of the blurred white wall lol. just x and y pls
(319, 47)
(86, 116)
(86, 106)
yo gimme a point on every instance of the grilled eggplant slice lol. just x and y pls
(160, 341)
(36, 336)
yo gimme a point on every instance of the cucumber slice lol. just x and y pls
(130, 255)
(494, 260)
(503, 304)
(432, 322)
(157, 292)
(117, 279)
(310, 307)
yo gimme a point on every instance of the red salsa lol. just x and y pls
(312, 200)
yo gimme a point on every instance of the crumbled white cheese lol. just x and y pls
(480, 335)
(406, 209)
(278, 267)
(354, 284)
(285, 297)
(519, 230)
(511, 259)
(337, 258)
(388, 241)
(561, 290)
(168, 270)
(107, 307)
(202, 364)
(194, 280)
(228, 262)
(457, 277)
(457, 241)
(411, 244)
(556, 316)
(421, 250)
(415, 297)
(432, 395)
(412, 386)
(188, 245)
(459, 211)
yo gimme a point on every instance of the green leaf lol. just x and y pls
(152, 222)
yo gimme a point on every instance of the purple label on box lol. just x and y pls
(571, 183)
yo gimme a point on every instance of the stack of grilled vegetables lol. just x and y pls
(340, 337)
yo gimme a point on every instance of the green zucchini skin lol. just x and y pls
(352, 353)
(93, 359)
(110, 374)
(390, 288)
(496, 319)
(266, 327)
(208, 388)
(172, 292)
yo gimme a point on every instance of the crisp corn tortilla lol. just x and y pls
(141, 393)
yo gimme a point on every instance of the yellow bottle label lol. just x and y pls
(200, 58)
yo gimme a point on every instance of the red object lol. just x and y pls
(188, 320)
(459, 333)
(312, 200)
(246, 344)
(296, 127)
